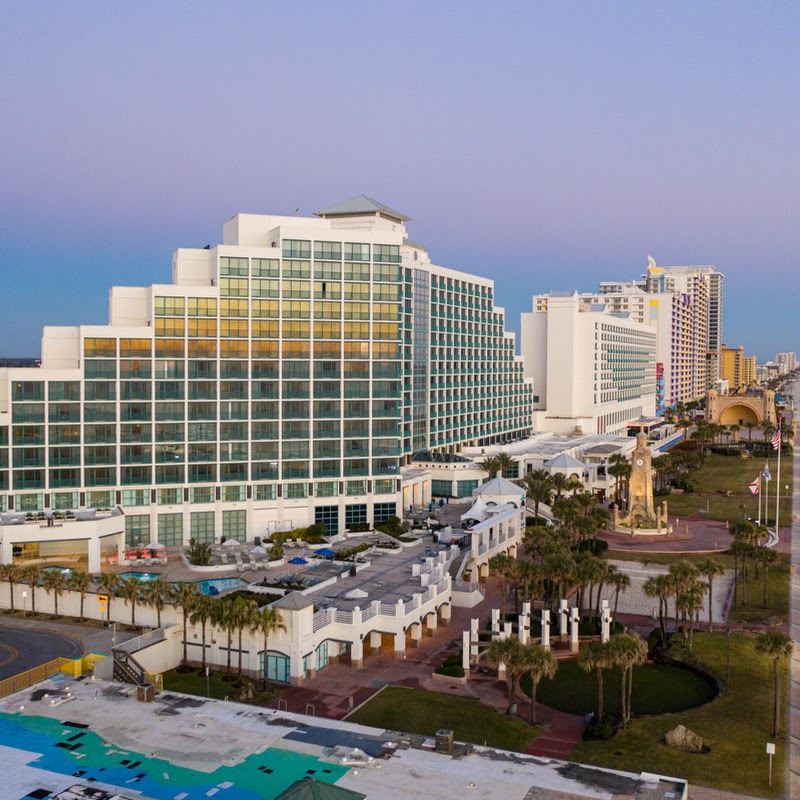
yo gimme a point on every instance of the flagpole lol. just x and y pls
(778, 489)
(760, 521)
(766, 498)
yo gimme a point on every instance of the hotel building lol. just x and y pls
(593, 369)
(283, 378)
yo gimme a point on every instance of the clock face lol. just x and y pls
(639, 462)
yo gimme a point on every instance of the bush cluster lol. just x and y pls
(452, 667)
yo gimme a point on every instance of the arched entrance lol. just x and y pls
(738, 414)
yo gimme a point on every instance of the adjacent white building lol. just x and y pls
(593, 369)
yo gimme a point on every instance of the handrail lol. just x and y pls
(25, 679)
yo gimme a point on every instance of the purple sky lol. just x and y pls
(545, 145)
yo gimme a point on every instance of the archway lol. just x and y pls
(738, 414)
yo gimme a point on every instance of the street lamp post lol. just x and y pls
(728, 668)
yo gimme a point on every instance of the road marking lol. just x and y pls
(14, 654)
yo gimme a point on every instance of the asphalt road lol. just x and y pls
(22, 649)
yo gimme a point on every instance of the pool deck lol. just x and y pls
(204, 735)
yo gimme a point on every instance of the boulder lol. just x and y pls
(681, 738)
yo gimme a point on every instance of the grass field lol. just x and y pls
(735, 727)
(417, 711)
(657, 689)
(732, 474)
(218, 689)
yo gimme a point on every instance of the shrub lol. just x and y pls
(451, 666)
(601, 730)
(199, 553)
(360, 527)
(275, 552)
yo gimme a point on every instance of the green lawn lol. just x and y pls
(193, 683)
(657, 689)
(729, 473)
(417, 711)
(735, 727)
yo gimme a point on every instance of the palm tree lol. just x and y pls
(31, 575)
(734, 429)
(595, 658)
(184, 595)
(749, 425)
(621, 583)
(267, 621)
(10, 573)
(768, 429)
(202, 612)
(619, 468)
(627, 650)
(508, 652)
(79, 582)
(156, 593)
(538, 663)
(53, 581)
(710, 569)
(223, 615)
(777, 645)
(560, 569)
(683, 575)
(538, 490)
(560, 483)
(130, 589)
(690, 601)
(490, 465)
(767, 558)
(659, 586)
(108, 583)
(507, 466)
(245, 618)
(502, 564)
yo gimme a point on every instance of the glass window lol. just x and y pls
(100, 369)
(295, 491)
(354, 251)
(202, 327)
(356, 291)
(383, 511)
(64, 390)
(202, 306)
(386, 253)
(265, 491)
(100, 348)
(100, 390)
(328, 250)
(296, 248)
(296, 289)
(136, 433)
(170, 348)
(170, 432)
(265, 267)
(202, 526)
(327, 290)
(234, 523)
(356, 272)
(202, 473)
(265, 288)
(201, 494)
(137, 529)
(69, 500)
(355, 515)
(136, 497)
(233, 266)
(170, 529)
(233, 308)
(64, 434)
(383, 486)
(131, 476)
(167, 326)
(169, 306)
(265, 308)
(233, 287)
(326, 489)
(135, 348)
(327, 516)
(168, 497)
(135, 369)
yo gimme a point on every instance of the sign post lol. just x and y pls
(770, 753)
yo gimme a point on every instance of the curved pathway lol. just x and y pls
(22, 649)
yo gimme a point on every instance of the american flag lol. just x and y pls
(776, 438)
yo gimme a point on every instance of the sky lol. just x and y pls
(546, 145)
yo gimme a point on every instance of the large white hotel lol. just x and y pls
(283, 378)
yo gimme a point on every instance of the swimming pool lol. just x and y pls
(67, 747)
(65, 571)
(142, 576)
(217, 585)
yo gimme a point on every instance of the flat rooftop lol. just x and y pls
(187, 748)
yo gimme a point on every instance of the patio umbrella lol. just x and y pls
(154, 546)
(297, 560)
(230, 543)
(258, 550)
(326, 552)
(356, 594)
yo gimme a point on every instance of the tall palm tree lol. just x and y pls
(184, 595)
(53, 581)
(156, 593)
(508, 652)
(767, 558)
(131, 589)
(777, 645)
(621, 583)
(490, 465)
(202, 612)
(767, 429)
(749, 426)
(627, 650)
(80, 582)
(690, 601)
(538, 663)
(710, 569)
(108, 583)
(224, 616)
(31, 575)
(245, 618)
(502, 564)
(595, 658)
(560, 569)
(538, 490)
(683, 575)
(267, 621)
(659, 586)
(619, 468)
(560, 483)
(507, 466)
(11, 573)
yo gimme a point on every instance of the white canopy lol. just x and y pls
(154, 546)
(258, 550)
(230, 543)
(356, 594)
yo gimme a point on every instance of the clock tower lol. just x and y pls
(642, 515)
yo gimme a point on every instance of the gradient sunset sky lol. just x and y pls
(545, 145)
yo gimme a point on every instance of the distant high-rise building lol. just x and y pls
(737, 369)
(283, 378)
(593, 369)
(788, 360)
